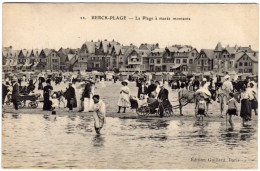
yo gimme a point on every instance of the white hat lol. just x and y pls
(204, 79)
(15, 79)
(226, 77)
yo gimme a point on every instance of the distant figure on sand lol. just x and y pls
(47, 92)
(124, 98)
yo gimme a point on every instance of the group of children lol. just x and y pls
(232, 109)
(247, 104)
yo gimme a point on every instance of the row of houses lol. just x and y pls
(109, 55)
(36, 59)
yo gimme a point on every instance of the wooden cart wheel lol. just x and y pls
(168, 112)
(33, 104)
(143, 111)
(20, 104)
(7, 102)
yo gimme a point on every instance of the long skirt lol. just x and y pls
(245, 111)
(124, 100)
(98, 121)
(40, 86)
(254, 104)
(47, 104)
(88, 104)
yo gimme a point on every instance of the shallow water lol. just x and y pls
(50, 141)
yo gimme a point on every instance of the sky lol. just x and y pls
(38, 25)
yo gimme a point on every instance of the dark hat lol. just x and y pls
(48, 81)
(125, 81)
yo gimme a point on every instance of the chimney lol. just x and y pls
(11, 47)
(91, 40)
(249, 46)
(105, 40)
(157, 44)
(131, 44)
(145, 44)
(254, 53)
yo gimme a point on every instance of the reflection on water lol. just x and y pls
(98, 141)
(56, 141)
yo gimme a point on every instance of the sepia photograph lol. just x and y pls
(130, 86)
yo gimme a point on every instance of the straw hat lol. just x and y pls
(14, 79)
(227, 77)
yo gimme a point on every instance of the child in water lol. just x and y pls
(201, 107)
(232, 109)
(99, 109)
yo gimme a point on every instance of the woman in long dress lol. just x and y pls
(124, 98)
(71, 97)
(102, 83)
(47, 92)
(89, 91)
(99, 109)
(245, 112)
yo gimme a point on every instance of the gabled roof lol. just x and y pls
(36, 52)
(47, 51)
(90, 46)
(161, 50)
(150, 47)
(230, 50)
(74, 51)
(209, 53)
(219, 47)
(243, 48)
(173, 49)
(6, 49)
(26, 52)
(239, 55)
(65, 50)
(185, 49)
(129, 50)
(70, 56)
(252, 56)
(117, 48)
(12, 53)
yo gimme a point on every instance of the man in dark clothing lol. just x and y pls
(142, 90)
(152, 87)
(4, 92)
(85, 94)
(47, 103)
(71, 97)
(15, 93)
(163, 97)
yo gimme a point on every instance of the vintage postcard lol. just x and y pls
(130, 86)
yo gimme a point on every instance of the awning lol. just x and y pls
(27, 63)
(13, 64)
(175, 66)
(134, 56)
(19, 65)
(7, 63)
(35, 64)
